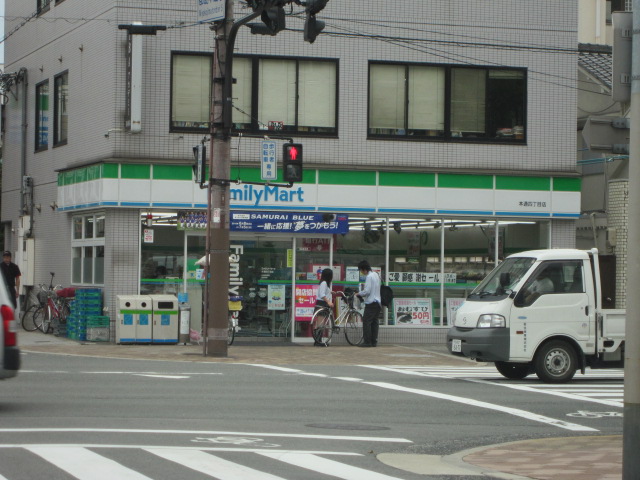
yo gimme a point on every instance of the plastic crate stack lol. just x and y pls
(98, 328)
(88, 303)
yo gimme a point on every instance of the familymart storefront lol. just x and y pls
(432, 236)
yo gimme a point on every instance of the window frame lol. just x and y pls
(57, 141)
(448, 96)
(173, 128)
(95, 242)
(255, 99)
(41, 126)
(43, 6)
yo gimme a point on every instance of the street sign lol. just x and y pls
(269, 161)
(210, 10)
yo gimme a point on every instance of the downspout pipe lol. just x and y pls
(23, 78)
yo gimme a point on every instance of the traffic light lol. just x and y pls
(292, 162)
(273, 21)
(313, 27)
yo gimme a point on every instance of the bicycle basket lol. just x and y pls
(42, 297)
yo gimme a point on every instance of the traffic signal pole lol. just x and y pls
(631, 426)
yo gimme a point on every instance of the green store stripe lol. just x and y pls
(346, 177)
(172, 172)
(135, 171)
(465, 181)
(404, 179)
(326, 177)
(523, 183)
(110, 170)
(564, 184)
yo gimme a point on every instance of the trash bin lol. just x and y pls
(165, 318)
(134, 319)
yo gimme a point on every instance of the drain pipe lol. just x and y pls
(22, 77)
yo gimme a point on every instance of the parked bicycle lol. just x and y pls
(350, 321)
(50, 311)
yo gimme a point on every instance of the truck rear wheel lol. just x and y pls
(556, 362)
(513, 371)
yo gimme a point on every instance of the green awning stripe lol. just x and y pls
(405, 179)
(563, 184)
(172, 172)
(446, 180)
(347, 177)
(523, 183)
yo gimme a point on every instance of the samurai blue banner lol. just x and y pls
(288, 222)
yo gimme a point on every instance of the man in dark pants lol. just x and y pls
(372, 304)
(11, 274)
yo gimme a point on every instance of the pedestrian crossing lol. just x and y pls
(108, 462)
(605, 387)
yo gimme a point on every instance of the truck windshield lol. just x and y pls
(500, 281)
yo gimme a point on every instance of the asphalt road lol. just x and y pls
(153, 419)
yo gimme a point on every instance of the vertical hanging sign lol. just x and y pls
(269, 162)
(210, 10)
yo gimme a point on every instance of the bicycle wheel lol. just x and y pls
(45, 324)
(28, 318)
(64, 309)
(353, 328)
(231, 334)
(323, 326)
(38, 317)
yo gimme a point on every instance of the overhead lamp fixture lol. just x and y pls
(397, 226)
(453, 228)
(367, 227)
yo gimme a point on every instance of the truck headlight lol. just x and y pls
(491, 321)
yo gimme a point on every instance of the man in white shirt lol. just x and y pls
(372, 304)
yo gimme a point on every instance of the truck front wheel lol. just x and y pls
(556, 362)
(513, 371)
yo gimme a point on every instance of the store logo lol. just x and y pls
(266, 194)
(235, 280)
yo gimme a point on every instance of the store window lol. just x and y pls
(42, 116)
(60, 114)
(162, 256)
(291, 95)
(87, 249)
(454, 103)
(190, 91)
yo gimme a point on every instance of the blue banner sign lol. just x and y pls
(288, 222)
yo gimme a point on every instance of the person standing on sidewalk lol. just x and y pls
(323, 300)
(372, 304)
(11, 274)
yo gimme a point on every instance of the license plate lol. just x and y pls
(456, 345)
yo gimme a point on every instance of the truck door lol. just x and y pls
(552, 301)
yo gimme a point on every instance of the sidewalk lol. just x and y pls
(566, 458)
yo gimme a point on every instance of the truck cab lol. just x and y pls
(539, 311)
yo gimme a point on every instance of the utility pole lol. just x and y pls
(631, 428)
(217, 243)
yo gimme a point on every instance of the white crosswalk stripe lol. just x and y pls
(91, 462)
(590, 387)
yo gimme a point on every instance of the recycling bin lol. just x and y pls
(165, 319)
(134, 319)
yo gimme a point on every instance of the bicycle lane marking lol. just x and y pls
(453, 398)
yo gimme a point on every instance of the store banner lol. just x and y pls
(452, 305)
(276, 297)
(305, 302)
(413, 311)
(420, 277)
(314, 223)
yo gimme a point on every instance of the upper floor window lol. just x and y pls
(43, 5)
(447, 102)
(42, 116)
(60, 115)
(289, 95)
(190, 91)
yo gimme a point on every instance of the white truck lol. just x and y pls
(540, 311)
